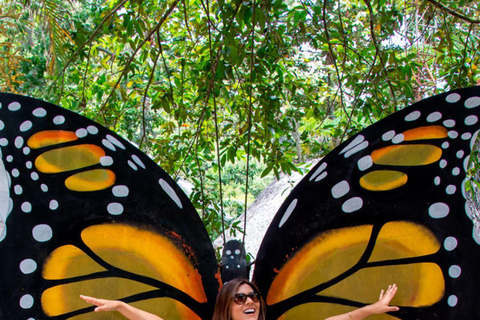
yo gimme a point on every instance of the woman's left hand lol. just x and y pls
(383, 303)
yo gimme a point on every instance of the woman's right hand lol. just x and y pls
(102, 304)
(125, 309)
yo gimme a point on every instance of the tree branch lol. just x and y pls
(132, 57)
(453, 12)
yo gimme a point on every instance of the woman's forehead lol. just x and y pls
(244, 288)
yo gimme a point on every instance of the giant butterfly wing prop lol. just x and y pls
(386, 206)
(85, 212)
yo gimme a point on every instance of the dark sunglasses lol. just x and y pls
(241, 298)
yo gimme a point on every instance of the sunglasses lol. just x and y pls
(241, 298)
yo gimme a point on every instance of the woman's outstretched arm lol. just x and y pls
(381, 306)
(127, 310)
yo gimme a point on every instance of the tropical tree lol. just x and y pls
(198, 84)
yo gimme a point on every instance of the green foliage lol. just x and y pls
(201, 85)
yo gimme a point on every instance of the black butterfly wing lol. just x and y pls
(386, 206)
(86, 212)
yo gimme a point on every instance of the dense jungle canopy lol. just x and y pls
(233, 91)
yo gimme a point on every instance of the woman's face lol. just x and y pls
(249, 310)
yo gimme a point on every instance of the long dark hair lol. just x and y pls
(225, 300)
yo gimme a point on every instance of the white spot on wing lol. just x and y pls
(170, 192)
(476, 235)
(474, 138)
(115, 141)
(318, 171)
(120, 191)
(466, 163)
(26, 301)
(352, 205)
(59, 120)
(451, 189)
(438, 210)
(443, 163)
(452, 300)
(471, 120)
(14, 106)
(434, 116)
(340, 189)
(39, 112)
(472, 102)
(53, 205)
(28, 266)
(26, 125)
(288, 212)
(81, 133)
(108, 144)
(413, 116)
(92, 129)
(452, 134)
(398, 138)
(449, 123)
(42, 233)
(320, 177)
(26, 207)
(138, 161)
(466, 136)
(115, 208)
(388, 135)
(356, 149)
(18, 142)
(365, 163)
(452, 98)
(106, 161)
(358, 139)
(132, 165)
(450, 243)
(454, 271)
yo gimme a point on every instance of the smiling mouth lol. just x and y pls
(249, 311)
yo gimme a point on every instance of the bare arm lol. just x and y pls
(127, 310)
(381, 306)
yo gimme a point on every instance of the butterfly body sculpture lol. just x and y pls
(85, 212)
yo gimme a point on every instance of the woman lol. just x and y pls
(239, 299)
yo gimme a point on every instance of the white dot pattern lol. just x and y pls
(42, 233)
(413, 116)
(454, 271)
(452, 300)
(26, 301)
(450, 243)
(115, 208)
(170, 192)
(438, 210)
(288, 212)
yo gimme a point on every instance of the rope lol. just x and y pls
(249, 120)
(216, 124)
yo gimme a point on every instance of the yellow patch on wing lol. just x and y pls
(139, 251)
(336, 251)
(50, 137)
(424, 133)
(69, 158)
(91, 180)
(383, 180)
(407, 155)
